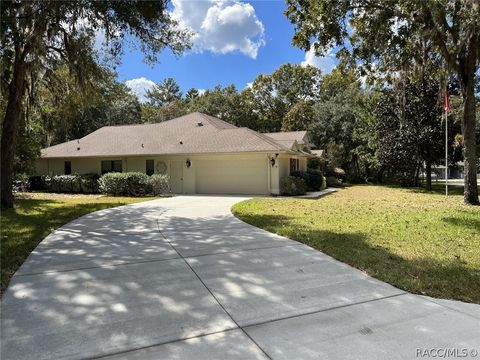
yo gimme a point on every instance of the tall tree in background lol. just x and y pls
(299, 117)
(191, 94)
(387, 32)
(164, 93)
(273, 95)
(37, 34)
(410, 127)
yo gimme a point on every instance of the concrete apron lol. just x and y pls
(181, 278)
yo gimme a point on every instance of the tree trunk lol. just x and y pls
(416, 175)
(11, 120)
(428, 171)
(469, 142)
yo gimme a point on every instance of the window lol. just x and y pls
(111, 166)
(68, 168)
(149, 167)
(294, 165)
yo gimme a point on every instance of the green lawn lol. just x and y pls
(421, 242)
(37, 215)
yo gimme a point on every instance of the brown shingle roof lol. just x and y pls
(189, 134)
(299, 136)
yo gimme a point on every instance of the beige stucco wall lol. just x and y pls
(249, 173)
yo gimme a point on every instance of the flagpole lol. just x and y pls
(446, 148)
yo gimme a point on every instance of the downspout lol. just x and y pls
(269, 176)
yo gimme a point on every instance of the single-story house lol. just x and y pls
(200, 153)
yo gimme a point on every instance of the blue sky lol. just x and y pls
(235, 42)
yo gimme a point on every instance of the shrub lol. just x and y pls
(291, 185)
(332, 181)
(133, 184)
(324, 183)
(312, 177)
(89, 183)
(313, 163)
(159, 183)
(37, 183)
(64, 184)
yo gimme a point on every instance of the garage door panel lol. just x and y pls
(232, 176)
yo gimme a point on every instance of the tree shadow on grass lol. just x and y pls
(24, 226)
(466, 223)
(453, 279)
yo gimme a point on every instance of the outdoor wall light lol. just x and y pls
(188, 163)
(273, 161)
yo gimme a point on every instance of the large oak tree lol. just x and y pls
(37, 35)
(388, 32)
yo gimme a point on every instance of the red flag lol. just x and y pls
(446, 102)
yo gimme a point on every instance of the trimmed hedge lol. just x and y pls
(133, 184)
(332, 181)
(313, 178)
(86, 184)
(291, 185)
(89, 183)
(64, 184)
(160, 184)
(37, 183)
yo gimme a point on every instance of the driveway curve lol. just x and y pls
(182, 278)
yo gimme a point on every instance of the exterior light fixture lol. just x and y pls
(188, 163)
(273, 160)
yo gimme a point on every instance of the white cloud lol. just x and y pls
(325, 63)
(139, 87)
(221, 26)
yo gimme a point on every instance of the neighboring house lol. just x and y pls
(200, 153)
(290, 138)
(456, 171)
(321, 155)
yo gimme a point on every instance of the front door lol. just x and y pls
(176, 176)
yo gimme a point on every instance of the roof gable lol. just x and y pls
(300, 137)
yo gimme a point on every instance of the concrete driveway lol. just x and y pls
(181, 278)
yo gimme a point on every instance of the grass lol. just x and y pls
(417, 241)
(37, 215)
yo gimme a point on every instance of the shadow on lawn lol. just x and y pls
(24, 226)
(467, 224)
(452, 279)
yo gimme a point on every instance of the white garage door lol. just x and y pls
(233, 176)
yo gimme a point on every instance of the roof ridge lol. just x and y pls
(210, 117)
(266, 138)
(63, 143)
(286, 132)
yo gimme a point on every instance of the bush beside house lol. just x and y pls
(128, 184)
(333, 181)
(291, 185)
(64, 184)
(86, 184)
(133, 184)
(313, 178)
(37, 183)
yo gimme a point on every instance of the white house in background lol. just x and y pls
(454, 172)
(200, 153)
